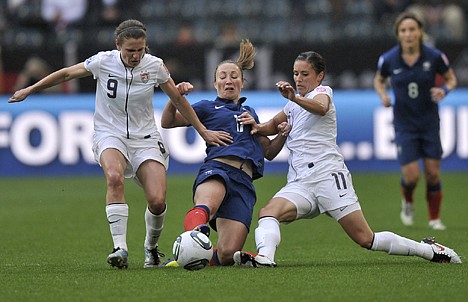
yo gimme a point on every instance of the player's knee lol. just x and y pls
(115, 181)
(225, 256)
(364, 241)
(157, 205)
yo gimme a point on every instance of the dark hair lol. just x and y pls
(130, 29)
(404, 16)
(245, 60)
(314, 59)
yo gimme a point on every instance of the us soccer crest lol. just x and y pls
(144, 76)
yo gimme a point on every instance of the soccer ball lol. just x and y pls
(192, 250)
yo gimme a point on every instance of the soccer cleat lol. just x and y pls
(152, 257)
(407, 213)
(170, 263)
(203, 228)
(442, 254)
(247, 259)
(118, 258)
(437, 225)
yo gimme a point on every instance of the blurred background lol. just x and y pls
(39, 36)
(49, 136)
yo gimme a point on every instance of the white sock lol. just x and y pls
(117, 216)
(154, 227)
(396, 245)
(267, 236)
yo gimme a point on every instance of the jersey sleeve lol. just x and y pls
(201, 109)
(162, 75)
(382, 67)
(442, 63)
(92, 64)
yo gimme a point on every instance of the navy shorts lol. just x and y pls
(240, 199)
(412, 146)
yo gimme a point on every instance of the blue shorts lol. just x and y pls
(240, 199)
(412, 146)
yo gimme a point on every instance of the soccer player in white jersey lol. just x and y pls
(126, 142)
(318, 179)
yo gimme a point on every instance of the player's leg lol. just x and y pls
(433, 192)
(409, 180)
(267, 233)
(114, 164)
(231, 238)
(208, 196)
(152, 177)
(288, 205)
(409, 153)
(355, 225)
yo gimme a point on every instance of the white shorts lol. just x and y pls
(136, 151)
(322, 192)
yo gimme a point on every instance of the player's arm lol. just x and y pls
(450, 80)
(53, 79)
(172, 118)
(271, 148)
(217, 138)
(320, 104)
(380, 86)
(439, 93)
(265, 129)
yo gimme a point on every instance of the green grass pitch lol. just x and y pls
(54, 240)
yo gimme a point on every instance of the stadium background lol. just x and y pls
(350, 34)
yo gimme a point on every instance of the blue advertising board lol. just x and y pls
(52, 134)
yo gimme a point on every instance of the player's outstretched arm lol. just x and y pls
(217, 138)
(53, 79)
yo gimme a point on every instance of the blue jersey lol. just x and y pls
(221, 115)
(413, 109)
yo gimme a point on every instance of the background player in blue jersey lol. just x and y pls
(126, 141)
(224, 194)
(413, 68)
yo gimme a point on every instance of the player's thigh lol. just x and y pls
(211, 193)
(152, 176)
(280, 208)
(357, 228)
(113, 163)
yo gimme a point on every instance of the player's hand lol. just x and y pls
(217, 138)
(19, 95)
(246, 119)
(184, 88)
(437, 94)
(284, 128)
(286, 90)
(386, 100)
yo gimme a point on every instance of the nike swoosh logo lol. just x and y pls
(219, 107)
(397, 71)
(341, 195)
(441, 248)
(111, 76)
(342, 208)
(111, 222)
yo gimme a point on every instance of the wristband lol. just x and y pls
(445, 89)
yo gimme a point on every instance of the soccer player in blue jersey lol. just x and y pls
(224, 194)
(413, 68)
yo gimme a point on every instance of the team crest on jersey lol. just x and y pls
(145, 76)
(426, 66)
(89, 60)
(320, 89)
